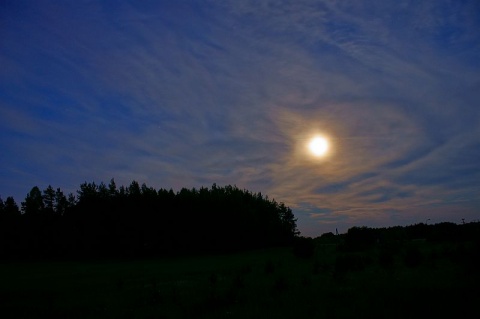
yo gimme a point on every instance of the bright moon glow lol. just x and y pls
(318, 146)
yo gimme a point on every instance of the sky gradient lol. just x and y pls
(190, 93)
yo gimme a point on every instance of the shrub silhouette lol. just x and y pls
(269, 267)
(280, 285)
(351, 262)
(361, 238)
(303, 247)
(386, 258)
(413, 257)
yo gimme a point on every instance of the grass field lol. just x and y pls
(416, 280)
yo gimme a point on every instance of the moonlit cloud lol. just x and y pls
(229, 92)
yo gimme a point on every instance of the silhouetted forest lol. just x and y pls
(106, 221)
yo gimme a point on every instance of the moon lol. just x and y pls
(318, 146)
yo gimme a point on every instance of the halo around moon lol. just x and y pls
(318, 146)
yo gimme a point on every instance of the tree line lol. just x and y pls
(103, 221)
(362, 238)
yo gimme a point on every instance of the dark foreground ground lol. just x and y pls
(416, 279)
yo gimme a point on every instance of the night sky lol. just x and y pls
(190, 93)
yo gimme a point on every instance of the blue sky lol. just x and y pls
(190, 93)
